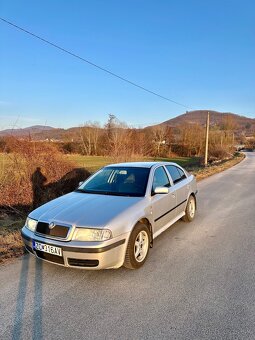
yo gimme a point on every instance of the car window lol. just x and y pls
(176, 173)
(183, 176)
(160, 179)
(121, 181)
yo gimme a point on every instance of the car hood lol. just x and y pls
(81, 209)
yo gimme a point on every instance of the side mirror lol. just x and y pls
(161, 190)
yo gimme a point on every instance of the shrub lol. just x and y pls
(16, 187)
(218, 153)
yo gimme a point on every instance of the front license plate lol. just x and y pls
(46, 248)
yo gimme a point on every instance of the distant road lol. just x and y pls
(198, 282)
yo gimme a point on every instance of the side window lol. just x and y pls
(160, 179)
(176, 173)
(183, 176)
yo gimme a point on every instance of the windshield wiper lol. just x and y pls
(94, 192)
(79, 190)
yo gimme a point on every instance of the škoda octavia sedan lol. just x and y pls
(112, 219)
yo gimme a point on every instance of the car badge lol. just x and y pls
(51, 225)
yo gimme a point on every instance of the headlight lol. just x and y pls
(31, 224)
(87, 234)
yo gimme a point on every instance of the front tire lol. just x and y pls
(138, 247)
(190, 210)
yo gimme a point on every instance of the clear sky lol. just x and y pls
(197, 52)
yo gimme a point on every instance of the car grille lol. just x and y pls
(50, 257)
(83, 263)
(59, 231)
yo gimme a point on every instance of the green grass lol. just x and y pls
(182, 161)
(92, 163)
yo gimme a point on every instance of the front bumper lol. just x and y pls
(86, 255)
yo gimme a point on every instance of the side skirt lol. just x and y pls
(168, 225)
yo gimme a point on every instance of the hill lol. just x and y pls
(239, 123)
(26, 131)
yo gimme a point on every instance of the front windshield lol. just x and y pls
(120, 181)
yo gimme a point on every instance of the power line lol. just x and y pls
(90, 63)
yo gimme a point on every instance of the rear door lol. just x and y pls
(181, 186)
(162, 204)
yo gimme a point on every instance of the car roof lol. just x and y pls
(140, 164)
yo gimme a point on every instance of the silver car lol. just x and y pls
(113, 217)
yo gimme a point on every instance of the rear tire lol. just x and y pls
(190, 210)
(138, 247)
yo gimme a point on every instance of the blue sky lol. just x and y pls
(200, 53)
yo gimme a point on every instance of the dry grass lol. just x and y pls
(216, 168)
(11, 244)
(16, 176)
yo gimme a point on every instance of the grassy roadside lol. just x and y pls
(202, 173)
(11, 245)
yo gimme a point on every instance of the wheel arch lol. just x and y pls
(141, 223)
(194, 195)
(144, 220)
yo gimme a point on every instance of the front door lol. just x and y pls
(163, 205)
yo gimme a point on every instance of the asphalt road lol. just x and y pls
(198, 282)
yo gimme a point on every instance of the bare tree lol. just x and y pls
(89, 135)
(119, 138)
(95, 133)
(161, 138)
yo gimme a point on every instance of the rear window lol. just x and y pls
(176, 173)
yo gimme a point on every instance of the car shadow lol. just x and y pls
(37, 315)
(21, 298)
(23, 290)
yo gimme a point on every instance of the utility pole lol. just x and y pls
(207, 138)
